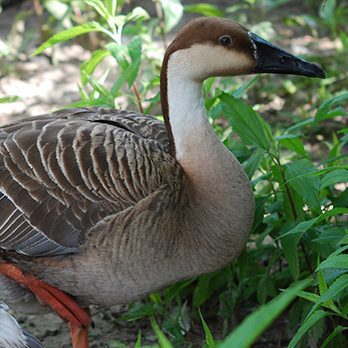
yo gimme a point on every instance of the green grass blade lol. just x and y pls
(337, 261)
(162, 339)
(333, 292)
(208, 335)
(307, 324)
(88, 66)
(333, 334)
(256, 323)
(246, 85)
(138, 342)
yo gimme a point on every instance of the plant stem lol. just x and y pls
(306, 258)
(137, 95)
(293, 210)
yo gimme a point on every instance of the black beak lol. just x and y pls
(272, 59)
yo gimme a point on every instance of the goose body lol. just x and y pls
(99, 182)
(110, 205)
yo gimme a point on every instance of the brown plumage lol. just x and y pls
(109, 205)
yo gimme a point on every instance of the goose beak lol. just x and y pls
(272, 59)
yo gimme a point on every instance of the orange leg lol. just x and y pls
(79, 336)
(60, 302)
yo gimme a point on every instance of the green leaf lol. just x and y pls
(253, 162)
(333, 292)
(111, 5)
(138, 342)
(323, 289)
(307, 324)
(134, 48)
(334, 177)
(290, 240)
(334, 333)
(293, 143)
(173, 11)
(208, 335)
(162, 339)
(327, 10)
(88, 66)
(324, 110)
(292, 202)
(99, 7)
(245, 86)
(141, 310)
(98, 87)
(301, 176)
(137, 14)
(9, 99)
(129, 69)
(246, 122)
(336, 261)
(256, 323)
(309, 296)
(204, 9)
(68, 34)
(120, 53)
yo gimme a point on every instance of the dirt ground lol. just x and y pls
(44, 87)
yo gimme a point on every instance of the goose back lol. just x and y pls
(60, 174)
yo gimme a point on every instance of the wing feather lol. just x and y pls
(61, 174)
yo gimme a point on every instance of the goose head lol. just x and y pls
(212, 46)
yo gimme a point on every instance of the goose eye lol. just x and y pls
(225, 40)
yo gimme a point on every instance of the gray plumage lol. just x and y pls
(62, 173)
(11, 334)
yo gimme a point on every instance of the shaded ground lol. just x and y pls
(44, 87)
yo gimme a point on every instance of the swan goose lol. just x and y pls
(108, 205)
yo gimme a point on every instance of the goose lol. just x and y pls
(11, 334)
(103, 206)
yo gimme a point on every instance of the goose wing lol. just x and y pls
(62, 173)
(11, 334)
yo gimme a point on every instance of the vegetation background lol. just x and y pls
(290, 286)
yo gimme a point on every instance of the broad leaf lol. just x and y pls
(246, 122)
(301, 176)
(290, 240)
(68, 34)
(293, 143)
(253, 162)
(334, 177)
(137, 14)
(336, 261)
